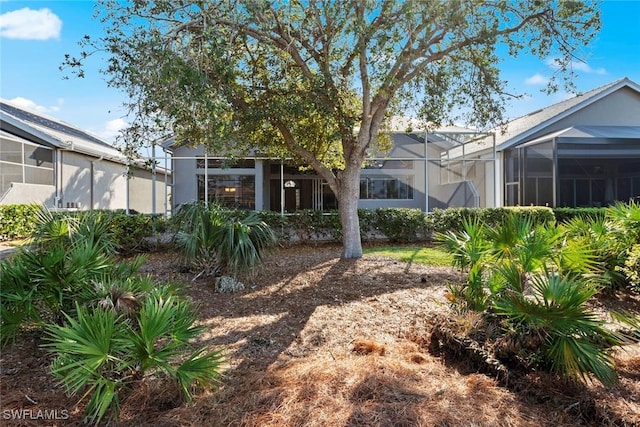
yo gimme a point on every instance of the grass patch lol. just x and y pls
(420, 255)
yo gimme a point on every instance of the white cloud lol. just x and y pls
(28, 104)
(584, 67)
(29, 24)
(576, 66)
(112, 128)
(537, 80)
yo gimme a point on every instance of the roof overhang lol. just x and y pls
(590, 135)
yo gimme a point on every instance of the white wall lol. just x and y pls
(141, 192)
(20, 193)
(108, 184)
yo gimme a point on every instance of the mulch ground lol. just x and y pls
(313, 340)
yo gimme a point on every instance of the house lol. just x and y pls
(584, 151)
(44, 160)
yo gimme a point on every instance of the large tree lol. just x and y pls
(315, 79)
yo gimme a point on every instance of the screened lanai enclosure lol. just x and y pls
(582, 166)
(422, 170)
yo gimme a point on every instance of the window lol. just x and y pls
(233, 191)
(389, 164)
(375, 187)
(226, 163)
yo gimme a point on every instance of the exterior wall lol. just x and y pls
(185, 187)
(30, 193)
(621, 108)
(407, 149)
(141, 192)
(185, 172)
(108, 186)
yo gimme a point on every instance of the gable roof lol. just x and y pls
(54, 133)
(522, 127)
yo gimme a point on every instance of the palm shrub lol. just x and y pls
(538, 280)
(100, 353)
(55, 230)
(212, 239)
(37, 287)
(43, 281)
(607, 241)
(573, 340)
(469, 248)
(631, 268)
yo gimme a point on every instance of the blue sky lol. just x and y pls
(35, 35)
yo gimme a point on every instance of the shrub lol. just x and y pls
(213, 239)
(130, 231)
(538, 281)
(17, 221)
(100, 353)
(564, 215)
(451, 219)
(631, 268)
(38, 287)
(401, 225)
(574, 341)
(40, 283)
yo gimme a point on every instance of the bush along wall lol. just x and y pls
(401, 225)
(129, 231)
(564, 215)
(17, 221)
(394, 224)
(452, 219)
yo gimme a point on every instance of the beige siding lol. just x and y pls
(107, 187)
(621, 108)
(141, 192)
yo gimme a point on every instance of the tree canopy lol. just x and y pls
(315, 79)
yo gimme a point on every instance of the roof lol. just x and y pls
(54, 133)
(592, 134)
(522, 127)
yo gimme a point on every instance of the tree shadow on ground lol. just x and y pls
(281, 306)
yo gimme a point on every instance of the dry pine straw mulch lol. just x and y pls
(318, 341)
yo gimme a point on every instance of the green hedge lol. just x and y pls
(567, 214)
(394, 224)
(451, 219)
(129, 231)
(17, 221)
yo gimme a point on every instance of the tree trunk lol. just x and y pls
(348, 207)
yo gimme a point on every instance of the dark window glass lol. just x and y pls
(226, 163)
(636, 187)
(624, 188)
(233, 191)
(583, 192)
(386, 188)
(597, 192)
(545, 192)
(566, 193)
(530, 192)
